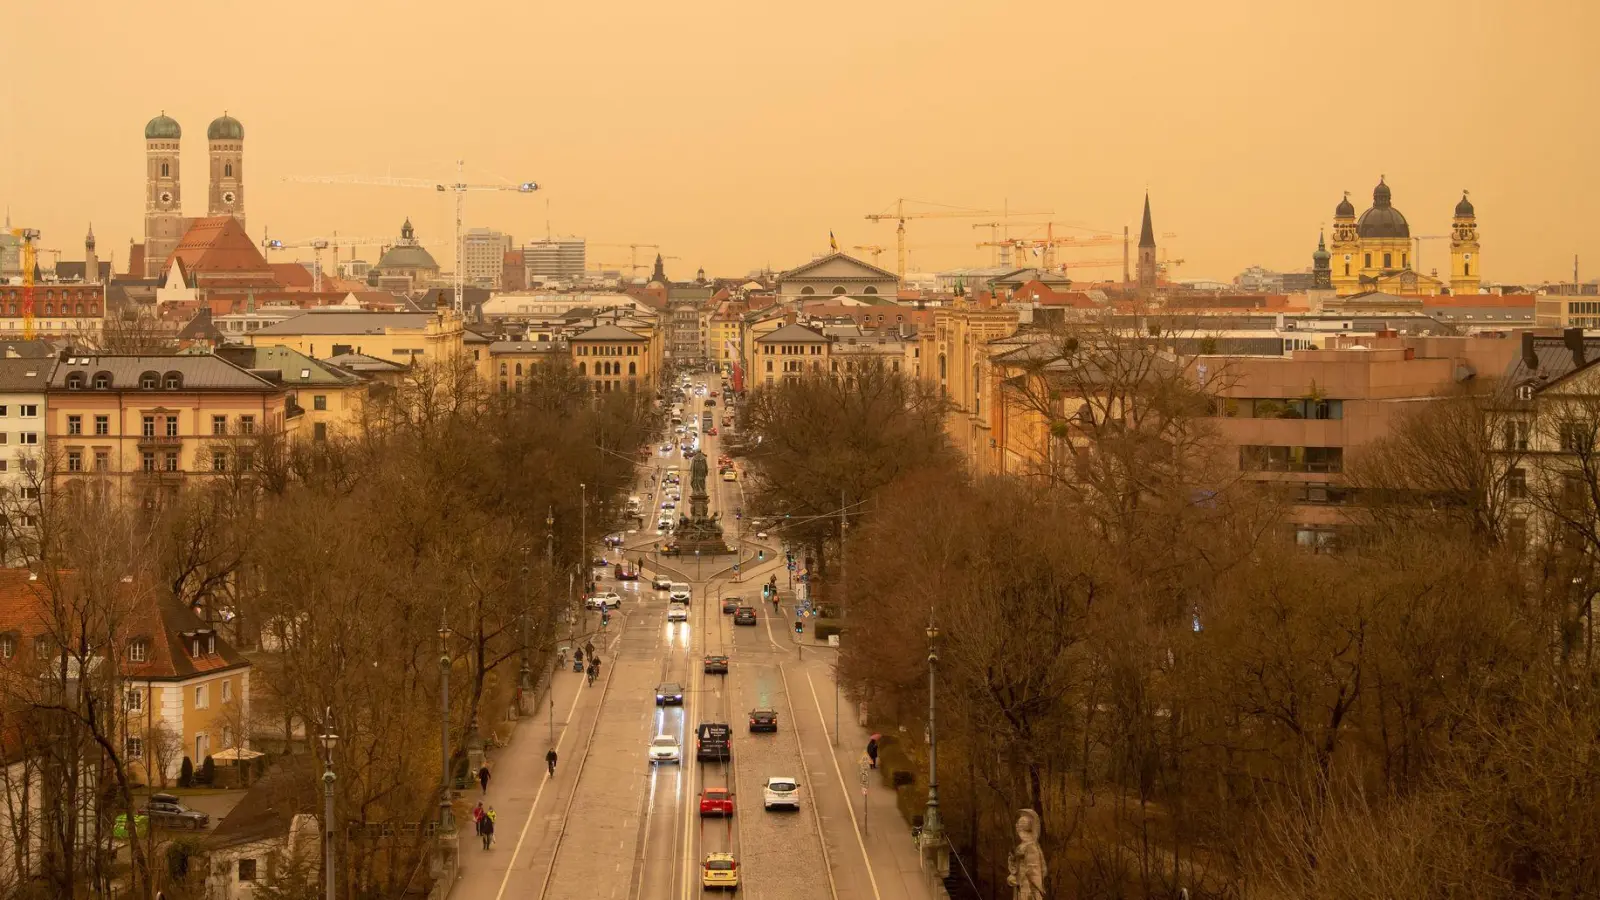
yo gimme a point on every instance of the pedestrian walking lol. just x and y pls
(486, 829)
(477, 814)
(483, 778)
(872, 751)
(550, 760)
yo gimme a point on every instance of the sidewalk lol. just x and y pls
(896, 862)
(518, 780)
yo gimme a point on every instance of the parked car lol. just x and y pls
(716, 801)
(716, 665)
(167, 811)
(762, 719)
(781, 791)
(744, 615)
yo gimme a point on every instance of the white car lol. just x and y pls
(677, 612)
(678, 593)
(780, 792)
(762, 535)
(664, 748)
(603, 600)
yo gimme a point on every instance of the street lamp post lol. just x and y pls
(445, 823)
(583, 532)
(932, 830)
(698, 570)
(328, 778)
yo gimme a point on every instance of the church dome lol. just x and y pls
(1345, 209)
(225, 128)
(408, 254)
(1382, 220)
(162, 128)
(1464, 208)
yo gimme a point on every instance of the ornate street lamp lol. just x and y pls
(932, 830)
(329, 739)
(445, 823)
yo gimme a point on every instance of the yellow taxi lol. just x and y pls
(720, 871)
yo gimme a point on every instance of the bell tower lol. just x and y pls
(91, 259)
(1344, 263)
(1147, 250)
(1465, 274)
(226, 139)
(163, 196)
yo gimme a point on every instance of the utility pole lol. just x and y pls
(328, 778)
(844, 593)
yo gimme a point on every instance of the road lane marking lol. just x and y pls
(566, 815)
(816, 814)
(511, 866)
(848, 803)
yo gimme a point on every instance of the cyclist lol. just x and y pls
(550, 760)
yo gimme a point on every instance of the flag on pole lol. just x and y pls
(833, 242)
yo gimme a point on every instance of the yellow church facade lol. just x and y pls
(1376, 251)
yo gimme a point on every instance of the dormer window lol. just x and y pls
(1524, 392)
(75, 381)
(172, 381)
(149, 381)
(102, 381)
(211, 645)
(138, 650)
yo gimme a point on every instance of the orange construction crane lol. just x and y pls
(952, 212)
(30, 261)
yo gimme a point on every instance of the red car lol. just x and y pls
(716, 801)
(712, 430)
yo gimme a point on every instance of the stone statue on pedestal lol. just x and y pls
(697, 473)
(1026, 867)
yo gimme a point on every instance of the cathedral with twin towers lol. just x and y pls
(164, 221)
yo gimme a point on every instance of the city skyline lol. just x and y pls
(734, 160)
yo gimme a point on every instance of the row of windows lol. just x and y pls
(1276, 408)
(92, 309)
(838, 289)
(25, 410)
(600, 368)
(608, 350)
(1268, 458)
(792, 349)
(148, 381)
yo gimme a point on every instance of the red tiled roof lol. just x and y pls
(292, 275)
(1045, 295)
(149, 615)
(218, 245)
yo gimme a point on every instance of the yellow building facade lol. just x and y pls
(398, 337)
(145, 423)
(612, 358)
(1377, 252)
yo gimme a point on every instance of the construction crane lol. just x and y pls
(1046, 246)
(633, 253)
(321, 244)
(900, 216)
(873, 249)
(459, 188)
(999, 233)
(30, 261)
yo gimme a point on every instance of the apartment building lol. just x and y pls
(401, 337)
(145, 423)
(613, 358)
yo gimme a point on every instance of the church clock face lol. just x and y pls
(166, 196)
(227, 197)
(1466, 256)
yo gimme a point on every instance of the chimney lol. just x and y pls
(1573, 338)
(1530, 359)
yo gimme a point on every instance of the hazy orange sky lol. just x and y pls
(736, 135)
